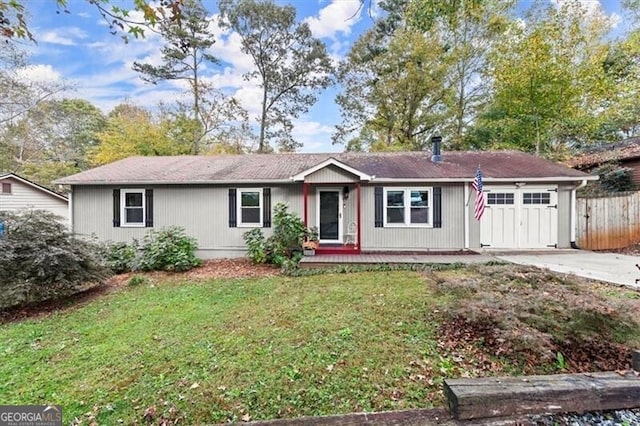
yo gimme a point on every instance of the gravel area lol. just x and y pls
(606, 418)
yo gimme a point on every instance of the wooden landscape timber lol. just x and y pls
(491, 397)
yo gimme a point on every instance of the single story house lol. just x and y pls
(626, 153)
(18, 193)
(360, 202)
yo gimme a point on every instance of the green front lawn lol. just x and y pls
(219, 350)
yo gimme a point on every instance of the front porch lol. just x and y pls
(332, 203)
(338, 259)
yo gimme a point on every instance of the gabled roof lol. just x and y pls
(331, 162)
(627, 149)
(4, 176)
(456, 166)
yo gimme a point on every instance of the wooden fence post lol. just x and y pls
(635, 360)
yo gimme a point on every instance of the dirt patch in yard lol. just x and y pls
(528, 320)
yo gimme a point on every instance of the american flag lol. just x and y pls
(477, 186)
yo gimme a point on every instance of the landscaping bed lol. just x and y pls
(184, 348)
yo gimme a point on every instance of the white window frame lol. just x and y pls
(123, 208)
(239, 208)
(407, 207)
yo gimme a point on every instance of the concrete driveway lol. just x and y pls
(609, 267)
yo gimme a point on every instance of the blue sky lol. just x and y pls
(78, 47)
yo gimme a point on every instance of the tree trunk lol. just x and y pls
(196, 105)
(263, 120)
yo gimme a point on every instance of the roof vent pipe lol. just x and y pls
(436, 141)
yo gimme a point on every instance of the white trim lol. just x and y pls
(331, 162)
(485, 179)
(340, 214)
(407, 207)
(574, 213)
(34, 185)
(378, 181)
(123, 211)
(239, 222)
(465, 203)
(70, 206)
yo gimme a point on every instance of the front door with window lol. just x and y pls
(330, 215)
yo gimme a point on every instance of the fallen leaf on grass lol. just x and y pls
(195, 385)
(150, 413)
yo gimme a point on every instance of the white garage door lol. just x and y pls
(525, 217)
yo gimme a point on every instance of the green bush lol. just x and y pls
(284, 247)
(169, 249)
(615, 178)
(41, 260)
(256, 245)
(121, 257)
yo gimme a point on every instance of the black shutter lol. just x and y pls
(266, 207)
(379, 207)
(148, 208)
(437, 207)
(233, 220)
(116, 208)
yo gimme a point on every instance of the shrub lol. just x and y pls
(41, 260)
(256, 245)
(169, 249)
(615, 178)
(121, 257)
(284, 247)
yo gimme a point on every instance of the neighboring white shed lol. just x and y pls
(18, 193)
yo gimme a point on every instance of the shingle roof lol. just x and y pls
(624, 150)
(5, 175)
(281, 167)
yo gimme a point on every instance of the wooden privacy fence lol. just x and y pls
(608, 222)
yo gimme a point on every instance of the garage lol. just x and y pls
(520, 217)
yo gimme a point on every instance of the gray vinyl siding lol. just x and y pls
(202, 210)
(25, 196)
(449, 236)
(564, 216)
(474, 225)
(330, 174)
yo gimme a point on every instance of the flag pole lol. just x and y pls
(469, 197)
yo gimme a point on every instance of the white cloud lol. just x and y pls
(315, 137)
(593, 9)
(615, 20)
(66, 36)
(41, 72)
(338, 17)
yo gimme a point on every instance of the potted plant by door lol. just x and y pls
(310, 242)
